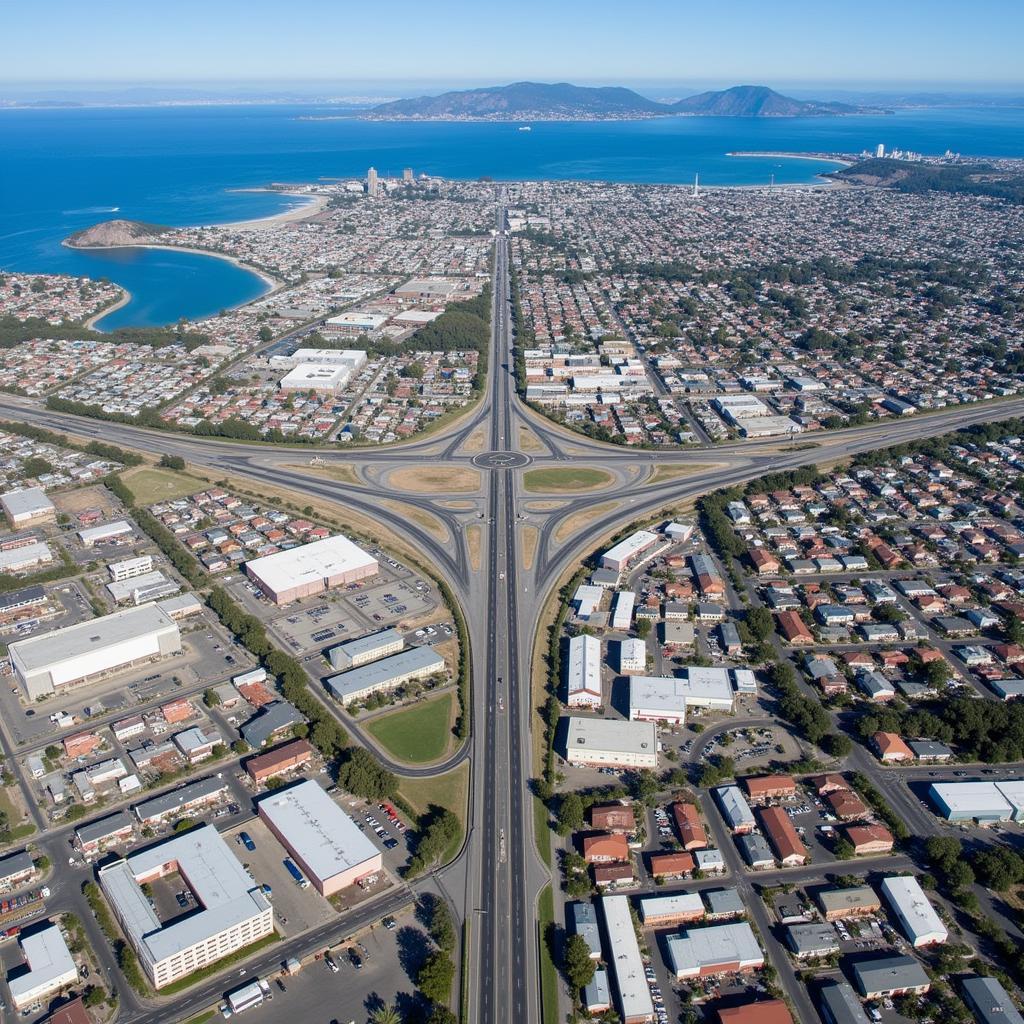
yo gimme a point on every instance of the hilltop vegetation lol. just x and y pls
(974, 179)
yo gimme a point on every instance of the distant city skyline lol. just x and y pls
(935, 44)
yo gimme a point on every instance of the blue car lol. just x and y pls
(246, 840)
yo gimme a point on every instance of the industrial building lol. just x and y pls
(839, 1004)
(609, 742)
(310, 569)
(97, 836)
(50, 967)
(16, 868)
(634, 994)
(386, 674)
(322, 839)
(89, 650)
(718, 949)
(328, 380)
(678, 908)
(365, 649)
(583, 675)
(149, 586)
(778, 826)
(984, 802)
(28, 507)
(352, 358)
(583, 920)
(233, 911)
(179, 801)
(26, 556)
(855, 901)
(104, 534)
(890, 976)
(989, 1001)
(917, 917)
(285, 758)
(620, 555)
(632, 655)
(668, 698)
(735, 809)
(812, 939)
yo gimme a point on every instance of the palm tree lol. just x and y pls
(386, 1013)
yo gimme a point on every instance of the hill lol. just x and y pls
(760, 101)
(972, 178)
(523, 101)
(109, 234)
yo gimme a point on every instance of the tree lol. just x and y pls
(643, 628)
(578, 966)
(759, 622)
(570, 814)
(441, 926)
(643, 785)
(434, 978)
(441, 831)
(265, 334)
(363, 776)
(184, 824)
(387, 1013)
(836, 744)
(35, 466)
(172, 462)
(210, 697)
(440, 1014)
(844, 850)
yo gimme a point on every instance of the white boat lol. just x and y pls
(525, 128)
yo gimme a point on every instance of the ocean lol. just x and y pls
(64, 169)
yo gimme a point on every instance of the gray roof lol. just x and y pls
(30, 500)
(271, 718)
(930, 748)
(840, 1005)
(584, 923)
(853, 898)
(755, 849)
(723, 901)
(28, 595)
(989, 1001)
(16, 864)
(179, 798)
(892, 972)
(95, 831)
(815, 937)
(380, 673)
(363, 644)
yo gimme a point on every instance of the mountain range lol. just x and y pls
(562, 101)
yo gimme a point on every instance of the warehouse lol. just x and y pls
(21, 601)
(635, 1003)
(28, 556)
(272, 719)
(984, 802)
(310, 569)
(320, 836)
(285, 758)
(584, 923)
(596, 999)
(917, 917)
(717, 949)
(856, 901)
(989, 1001)
(663, 911)
(608, 742)
(891, 976)
(28, 507)
(149, 586)
(583, 675)
(667, 698)
(365, 649)
(619, 556)
(622, 614)
(16, 868)
(812, 939)
(97, 836)
(233, 912)
(735, 809)
(386, 674)
(104, 534)
(839, 1004)
(179, 801)
(353, 358)
(50, 967)
(783, 836)
(632, 655)
(88, 650)
(325, 380)
(355, 322)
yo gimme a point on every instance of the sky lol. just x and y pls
(776, 42)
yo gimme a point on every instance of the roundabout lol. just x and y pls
(501, 460)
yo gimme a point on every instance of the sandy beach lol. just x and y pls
(314, 204)
(126, 297)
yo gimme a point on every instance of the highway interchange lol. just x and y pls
(495, 881)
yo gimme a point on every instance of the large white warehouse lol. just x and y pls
(608, 741)
(311, 569)
(918, 918)
(87, 650)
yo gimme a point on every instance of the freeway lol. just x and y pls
(495, 880)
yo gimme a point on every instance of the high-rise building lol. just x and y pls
(371, 181)
(880, 150)
(407, 175)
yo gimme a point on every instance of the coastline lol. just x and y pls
(783, 155)
(126, 297)
(315, 204)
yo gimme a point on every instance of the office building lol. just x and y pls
(735, 809)
(50, 967)
(365, 649)
(285, 758)
(386, 674)
(626, 551)
(16, 868)
(608, 742)
(372, 184)
(129, 568)
(855, 901)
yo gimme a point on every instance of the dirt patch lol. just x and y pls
(457, 506)
(544, 506)
(344, 474)
(474, 538)
(435, 480)
(528, 537)
(430, 523)
(84, 499)
(576, 522)
(528, 440)
(476, 441)
(662, 474)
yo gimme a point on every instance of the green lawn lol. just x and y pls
(542, 830)
(548, 971)
(578, 478)
(450, 790)
(150, 485)
(418, 734)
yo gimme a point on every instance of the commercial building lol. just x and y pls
(179, 801)
(735, 809)
(97, 836)
(583, 674)
(285, 758)
(770, 787)
(984, 802)
(755, 851)
(718, 949)
(105, 533)
(148, 587)
(365, 649)
(723, 903)
(869, 839)
(812, 939)
(327, 380)
(596, 997)
(613, 818)
(386, 674)
(271, 720)
(431, 289)
(891, 748)
(634, 994)
(989, 1001)
(583, 920)
(890, 976)
(16, 868)
(310, 569)
(129, 568)
(668, 698)
(678, 908)
(692, 834)
(839, 1004)
(769, 1011)
(233, 911)
(632, 655)
(89, 650)
(783, 836)
(322, 839)
(352, 358)
(50, 967)
(355, 322)
(605, 848)
(609, 742)
(28, 507)
(622, 613)
(671, 865)
(856, 901)
(25, 557)
(22, 604)
(917, 917)
(620, 555)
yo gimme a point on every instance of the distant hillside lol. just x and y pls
(760, 101)
(976, 179)
(113, 233)
(522, 101)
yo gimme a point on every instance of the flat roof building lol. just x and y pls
(676, 908)
(287, 757)
(103, 534)
(26, 556)
(890, 976)
(233, 911)
(667, 698)
(838, 1004)
(329, 380)
(983, 802)
(917, 917)
(620, 555)
(365, 649)
(989, 1001)
(310, 569)
(88, 650)
(855, 901)
(605, 741)
(386, 674)
(717, 949)
(322, 839)
(178, 801)
(28, 506)
(812, 939)
(635, 1003)
(583, 672)
(50, 967)
(96, 836)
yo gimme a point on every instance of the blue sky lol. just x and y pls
(713, 42)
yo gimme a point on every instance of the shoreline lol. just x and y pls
(126, 297)
(783, 155)
(315, 204)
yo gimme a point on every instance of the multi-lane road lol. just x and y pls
(495, 881)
